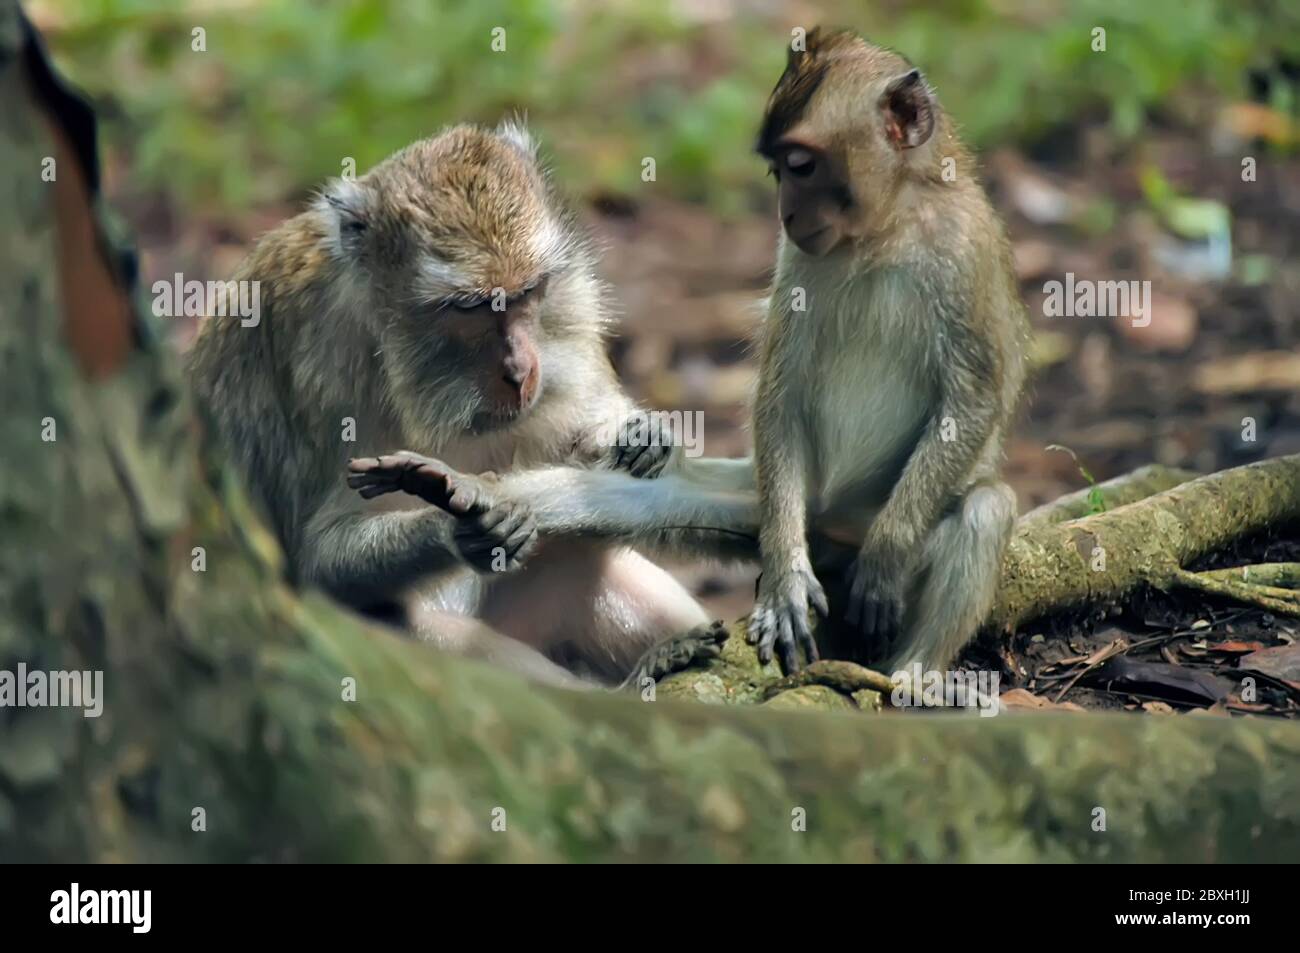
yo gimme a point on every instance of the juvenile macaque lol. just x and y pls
(446, 302)
(882, 407)
(882, 404)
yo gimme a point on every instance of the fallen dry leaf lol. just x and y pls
(1235, 648)
(1249, 373)
(1282, 661)
(1020, 700)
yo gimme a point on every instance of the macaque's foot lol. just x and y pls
(875, 604)
(429, 479)
(673, 655)
(645, 444)
(491, 535)
(779, 623)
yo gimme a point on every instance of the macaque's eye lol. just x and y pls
(463, 301)
(800, 162)
(537, 288)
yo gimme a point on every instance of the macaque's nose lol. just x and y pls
(521, 374)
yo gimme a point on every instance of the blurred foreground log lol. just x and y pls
(241, 721)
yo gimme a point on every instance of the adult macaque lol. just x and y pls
(445, 301)
(882, 406)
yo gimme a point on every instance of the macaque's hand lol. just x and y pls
(673, 655)
(644, 445)
(491, 535)
(876, 584)
(780, 618)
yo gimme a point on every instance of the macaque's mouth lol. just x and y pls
(816, 243)
(501, 416)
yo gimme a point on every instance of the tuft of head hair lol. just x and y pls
(807, 69)
(469, 205)
(514, 130)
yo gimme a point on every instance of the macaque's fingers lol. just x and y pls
(853, 609)
(465, 497)
(504, 530)
(411, 473)
(413, 459)
(880, 624)
(803, 637)
(378, 489)
(518, 543)
(893, 620)
(627, 455)
(763, 634)
(477, 536)
(809, 646)
(871, 618)
(363, 465)
(643, 447)
(529, 544)
(645, 461)
(499, 518)
(817, 597)
(519, 518)
(402, 460)
(785, 644)
(699, 644)
(717, 632)
(357, 480)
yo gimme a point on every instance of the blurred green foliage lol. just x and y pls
(288, 88)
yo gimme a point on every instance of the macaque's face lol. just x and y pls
(469, 261)
(815, 198)
(836, 135)
(492, 339)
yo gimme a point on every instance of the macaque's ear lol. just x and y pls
(908, 110)
(515, 132)
(346, 204)
(809, 43)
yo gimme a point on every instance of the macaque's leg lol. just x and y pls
(608, 605)
(961, 563)
(469, 638)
